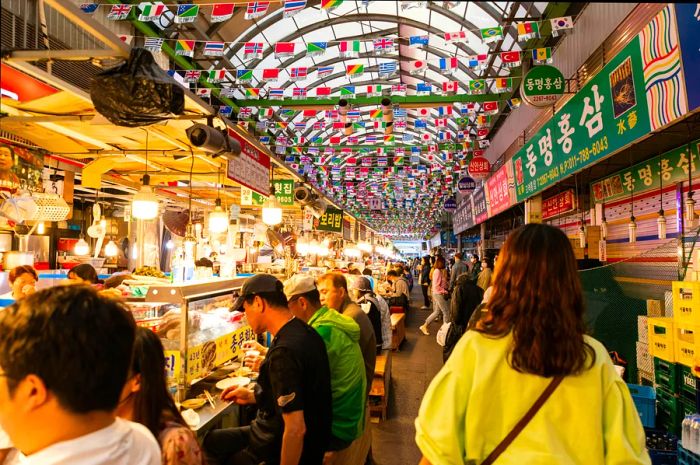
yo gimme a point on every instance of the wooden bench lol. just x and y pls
(381, 387)
(398, 329)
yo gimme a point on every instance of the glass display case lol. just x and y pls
(198, 331)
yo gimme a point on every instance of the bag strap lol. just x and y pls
(517, 429)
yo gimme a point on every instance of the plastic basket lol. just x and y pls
(686, 302)
(662, 446)
(667, 374)
(685, 457)
(661, 338)
(644, 399)
(688, 387)
(686, 343)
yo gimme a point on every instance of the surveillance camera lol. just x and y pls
(213, 140)
(304, 195)
(318, 208)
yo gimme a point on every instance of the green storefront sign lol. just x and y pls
(543, 86)
(607, 114)
(646, 176)
(331, 221)
(284, 191)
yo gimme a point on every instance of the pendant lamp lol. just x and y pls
(218, 219)
(82, 247)
(111, 249)
(144, 205)
(272, 210)
(661, 219)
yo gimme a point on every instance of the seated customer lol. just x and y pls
(376, 309)
(22, 280)
(64, 358)
(400, 294)
(83, 274)
(145, 399)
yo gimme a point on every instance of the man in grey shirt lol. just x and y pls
(458, 269)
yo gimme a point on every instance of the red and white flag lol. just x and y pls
(490, 108)
(440, 122)
(453, 37)
(322, 92)
(451, 86)
(418, 66)
(221, 12)
(423, 113)
(271, 74)
(284, 49)
(482, 132)
(511, 59)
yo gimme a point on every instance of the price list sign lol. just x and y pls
(331, 220)
(463, 218)
(251, 168)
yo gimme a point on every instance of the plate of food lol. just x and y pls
(231, 382)
(193, 404)
(232, 366)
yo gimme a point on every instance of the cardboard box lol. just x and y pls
(645, 378)
(655, 308)
(645, 362)
(642, 329)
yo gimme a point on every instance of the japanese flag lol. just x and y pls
(417, 66)
(425, 137)
(423, 112)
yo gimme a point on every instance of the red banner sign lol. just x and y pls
(559, 204)
(497, 187)
(252, 168)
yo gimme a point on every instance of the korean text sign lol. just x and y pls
(463, 218)
(498, 188)
(251, 168)
(284, 191)
(331, 221)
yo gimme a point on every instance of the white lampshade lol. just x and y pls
(41, 228)
(661, 225)
(632, 230)
(272, 211)
(218, 219)
(111, 249)
(81, 247)
(582, 237)
(144, 205)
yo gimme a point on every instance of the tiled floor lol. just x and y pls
(413, 367)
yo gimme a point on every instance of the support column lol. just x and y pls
(482, 241)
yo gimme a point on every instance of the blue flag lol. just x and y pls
(417, 41)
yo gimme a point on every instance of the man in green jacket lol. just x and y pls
(341, 336)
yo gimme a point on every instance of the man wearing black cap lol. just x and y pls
(293, 392)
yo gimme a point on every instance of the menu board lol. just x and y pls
(481, 213)
(251, 168)
(463, 217)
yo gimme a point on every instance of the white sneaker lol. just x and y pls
(424, 329)
(425, 308)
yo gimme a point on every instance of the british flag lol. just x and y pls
(119, 12)
(397, 89)
(383, 45)
(245, 112)
(192, 76)
(399, 124)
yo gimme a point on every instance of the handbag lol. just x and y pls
(517, 429)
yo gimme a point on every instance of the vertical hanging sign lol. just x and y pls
(251, 168)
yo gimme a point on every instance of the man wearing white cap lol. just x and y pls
(341, 335)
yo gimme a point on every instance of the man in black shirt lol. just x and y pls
(293, 393)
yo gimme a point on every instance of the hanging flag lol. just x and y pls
(450, 86)
(298, 74)
(455, 37)
(542, 56)
(424, 88)
(192, 75)
(529, 30)
(482, 132)
(287, 112)
(216, 75)
(444, 136)
(449, 5)
(314, 49)
(426, 137)
(347, 91)
(271, 74)
(310, 113)
(227, 92)
(221, 12)
(227, 111)
(469, 108)
(244, 75)
(322, 92)
(561, 25)
(256, 9)
(353, 114)
(118, 12)
(186, 13)
(266, 113)
(491, 34)
(422, 113)
(126, 38)
(445, 111)
(440, 122)
(477, 86)
(374, 90)
(417, 66)
(400, 113)
(383, 45)
(324, 71)
(387, 69)
(477, 61)
(399, 89)
(482, 121)
(275, 93)
(334, 140)
(333, 115)
(370, 139)
(245, 113)
(354, 70)
(284, 49)
(330, 5)
(299, 93)
(214, 49)
(490, 108)
(410, 4)
(349, 48)
(389, 139)
(89, 8)
(184, 48)
(418, 41)
(204, 92)
(448, 65)
(151, 11)
(252, 50)
(319, 125)
(153, 44)
(400, 124)
(514, 103)
(511, 59)
(504, 85)
(292, 7)
(375, 113)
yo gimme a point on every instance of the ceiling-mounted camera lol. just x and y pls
(216, 141)
(304, 196)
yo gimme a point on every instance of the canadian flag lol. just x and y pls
(458, 36)
(417, 66)
(441, 122)
(451, 86)
(490, 108)
(433, 148)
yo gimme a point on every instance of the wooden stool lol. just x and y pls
(398, 329)
(381, 386)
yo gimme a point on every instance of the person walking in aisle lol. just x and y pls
(340, 335)
(424, 280)
(293, 392)
(529, 355)
(474, 269)
(439, 294)
(484, 279)
(458, 269)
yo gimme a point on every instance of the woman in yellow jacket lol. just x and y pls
(532, 332)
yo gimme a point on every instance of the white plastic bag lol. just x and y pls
(442, 334)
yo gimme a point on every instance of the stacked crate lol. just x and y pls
(674, 343)
(645, 362)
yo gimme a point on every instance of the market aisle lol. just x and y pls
(413, 367)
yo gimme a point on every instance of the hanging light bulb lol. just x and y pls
(582, 237)
(81, 247)
(218, 219)
(632, 230)
(144, 205)
(111, 249)
(661, 225)
(690, 210)
(170, 245)
(272, 211)
(604, 228)
(190, 240)
(40, 229)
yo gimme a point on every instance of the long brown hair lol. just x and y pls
(537, 296)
